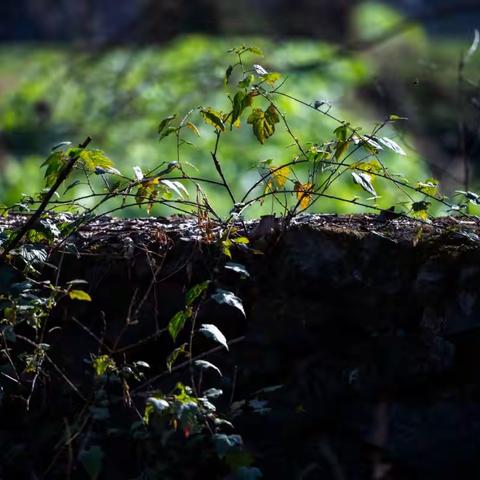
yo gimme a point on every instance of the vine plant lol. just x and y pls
(294, 185)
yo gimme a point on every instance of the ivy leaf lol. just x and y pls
(213, 118)
(79, 295)
(204, 365)
(228, 298)
(365, 181)
(212, 332)
(92, 459)
(392, 145)
(177, 322)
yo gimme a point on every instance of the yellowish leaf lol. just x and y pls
(304, 193)
(79, 295)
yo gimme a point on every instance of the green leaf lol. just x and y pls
(255, 50)
(54, 164)
(212, 332)
(92, 459)
(365, 181)
(428, 187)
(341, 150)
(95, 158)
(246, 82)
(228, 298)
(341, 132)
(79, 295)
(204, 365)
(212, 117)
(173, 357)
(103, 364)
(228, 72)
(272, 77)
(165, 123)
(239, 106)
(177, 322)
(396, 118)
(195, 292)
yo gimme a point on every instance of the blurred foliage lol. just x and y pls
(118, 96)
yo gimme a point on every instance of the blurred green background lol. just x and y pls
(113, 70)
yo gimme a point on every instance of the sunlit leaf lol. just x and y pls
(392, 145)
(95, 158)
(103, 364)
(177, 187)
(213, 118)
(428, 187)
(204, 365)
(304, 193)
(79, 295)
(272, 77)
(212, 332)
(364, 179)
(237, 268)
(259, 70)
(255, 50)
(138, 172)
(228, 298)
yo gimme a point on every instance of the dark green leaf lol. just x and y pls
(92, 459)
(195, 292)
(177, 323)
